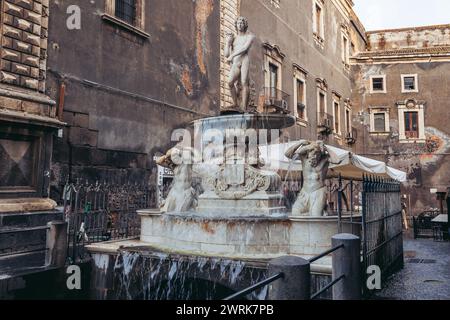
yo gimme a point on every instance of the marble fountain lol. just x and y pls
(204, 246)
(225, 236)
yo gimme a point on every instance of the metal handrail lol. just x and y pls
(255, 287)
(322, 255)
(332, 283)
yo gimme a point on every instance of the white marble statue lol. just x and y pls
(182, 196)
(237, 54)
(315, 158)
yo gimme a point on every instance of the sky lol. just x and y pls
(389, 14)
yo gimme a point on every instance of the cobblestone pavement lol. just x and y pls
(421, 279)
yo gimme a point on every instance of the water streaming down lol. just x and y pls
(155, 276)
(237, 217)
(289, 171)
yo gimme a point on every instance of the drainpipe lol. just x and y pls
(62, 95)
(60, 115)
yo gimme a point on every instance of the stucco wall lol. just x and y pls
(427, 164)
(290, 28)
(131, 92)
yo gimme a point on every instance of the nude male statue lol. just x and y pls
(315, 159)
(237, 54)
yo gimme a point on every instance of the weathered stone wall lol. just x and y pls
(427, 164)
(420, 37)
(126, 92)
(24, 31)
(27, 115)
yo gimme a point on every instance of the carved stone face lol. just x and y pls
(317, 154)
(241, 24)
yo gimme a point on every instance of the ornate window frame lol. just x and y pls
(300, 74)
(408, 106)
(319, 35)
(273, 55)
(322, 88)
(345, 54)
(337, 101)
(386, 112)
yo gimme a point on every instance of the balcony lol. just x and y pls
(324, 123)
(352, 136)
(273, 100)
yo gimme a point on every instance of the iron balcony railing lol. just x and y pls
(352, 136)
(325, 122)
(273, 98)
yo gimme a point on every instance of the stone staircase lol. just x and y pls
(23, 246)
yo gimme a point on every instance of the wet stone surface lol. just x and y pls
(426, 275)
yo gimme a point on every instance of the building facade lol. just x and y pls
(301, 63)
(132, 73)
(28, 116)
(157, 65)
(401, 91)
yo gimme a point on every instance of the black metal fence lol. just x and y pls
(423, 224)
(382, 226)
(102, 212)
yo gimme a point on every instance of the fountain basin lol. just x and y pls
(245, 121)
(239, 237)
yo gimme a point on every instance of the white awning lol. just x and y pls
(346, 163)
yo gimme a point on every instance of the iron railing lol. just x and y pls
(255, 287)
(325, 122)
(382, 226)
(332, 283)
(102, 212)
(423, 225)
(352, 136)
(273, 98)
(262, 284)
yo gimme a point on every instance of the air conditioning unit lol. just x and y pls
(326, 123)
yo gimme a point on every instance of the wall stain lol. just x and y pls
(203, 9)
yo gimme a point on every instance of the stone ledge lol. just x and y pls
(25, 117)
(113, 20)
(26, 205)
(21, 94)
(150, 212)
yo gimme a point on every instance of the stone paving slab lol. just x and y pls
(426, 275)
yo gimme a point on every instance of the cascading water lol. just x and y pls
(149, 276)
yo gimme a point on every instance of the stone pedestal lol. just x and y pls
(258, 204)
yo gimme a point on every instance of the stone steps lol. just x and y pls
(26, 220)
(23, 238)
(21, 262)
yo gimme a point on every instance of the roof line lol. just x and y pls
(418, 28)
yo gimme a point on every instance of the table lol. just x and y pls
(443, 230)
(442, 218)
